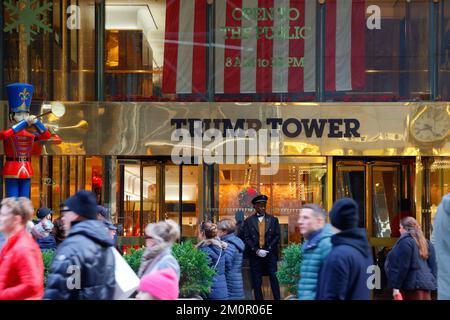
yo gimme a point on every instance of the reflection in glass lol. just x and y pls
(439, 182)
(132, 197)
(350, 183)
(134, 50)
(395, 55)
(293, 185)
(385, 199)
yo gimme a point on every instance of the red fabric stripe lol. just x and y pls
(297, 49)
(199, 50)
(358, 43)
(171, 47)
(330, 46)
(264, 52)
(232, 73)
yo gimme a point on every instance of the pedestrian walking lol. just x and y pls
(112, 229)
(441, 241)
(411, 264)
(83, 267)
(344, 273)
(262, 237)
(102, 213)
(315, 248)
(42, 231)
(21, 265)
(58, 231)
(215, 249)
(159, 285)
(159, 239)
(234, 255)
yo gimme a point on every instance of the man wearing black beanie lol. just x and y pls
(344, 274)
(83, 267)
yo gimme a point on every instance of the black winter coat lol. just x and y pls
(87, 252)
(406, 270)
(272, 235)
(344, 273)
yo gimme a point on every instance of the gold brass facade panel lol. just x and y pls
(138, 129)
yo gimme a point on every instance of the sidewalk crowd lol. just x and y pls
(336, 255)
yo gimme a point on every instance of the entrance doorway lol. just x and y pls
(153, 190)
(384, 191)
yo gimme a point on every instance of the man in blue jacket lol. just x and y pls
(315, 248)
(344, 274)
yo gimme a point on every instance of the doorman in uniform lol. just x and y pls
(262, 236)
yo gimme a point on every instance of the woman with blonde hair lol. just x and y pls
(211, 244)
(411, 265)
(233, 258)
(159, 238)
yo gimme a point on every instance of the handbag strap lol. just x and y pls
(218, 259)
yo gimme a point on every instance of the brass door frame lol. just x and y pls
(381, 241)
(159, 189)
(368, 165)
(352, 163)
(160, 165)
(160, 170)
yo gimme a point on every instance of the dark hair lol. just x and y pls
(209, 229)
(413, 228)
(318, 210)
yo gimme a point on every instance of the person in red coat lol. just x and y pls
(21, 265)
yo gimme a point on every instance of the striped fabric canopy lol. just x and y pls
(263, 46)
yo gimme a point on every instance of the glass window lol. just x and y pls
(265, 50)
(35, 192)
(298, 181)
(444, 51)
(385, 61)
(189, 201)
(150, 194)
(132, 198)
(59, 57)
(439, 182)
(134, 48)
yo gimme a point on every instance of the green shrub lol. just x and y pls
(289, 271)
(196, 276)
(133, 258)
(47, 258)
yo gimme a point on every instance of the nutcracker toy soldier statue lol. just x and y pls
(18, 142)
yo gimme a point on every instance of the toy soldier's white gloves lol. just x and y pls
(31, 119)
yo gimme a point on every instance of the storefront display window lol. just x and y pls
(439, 182)
(299, 180)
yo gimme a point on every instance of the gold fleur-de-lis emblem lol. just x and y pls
(24, 94)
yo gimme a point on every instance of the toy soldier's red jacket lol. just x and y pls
(18, 148)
